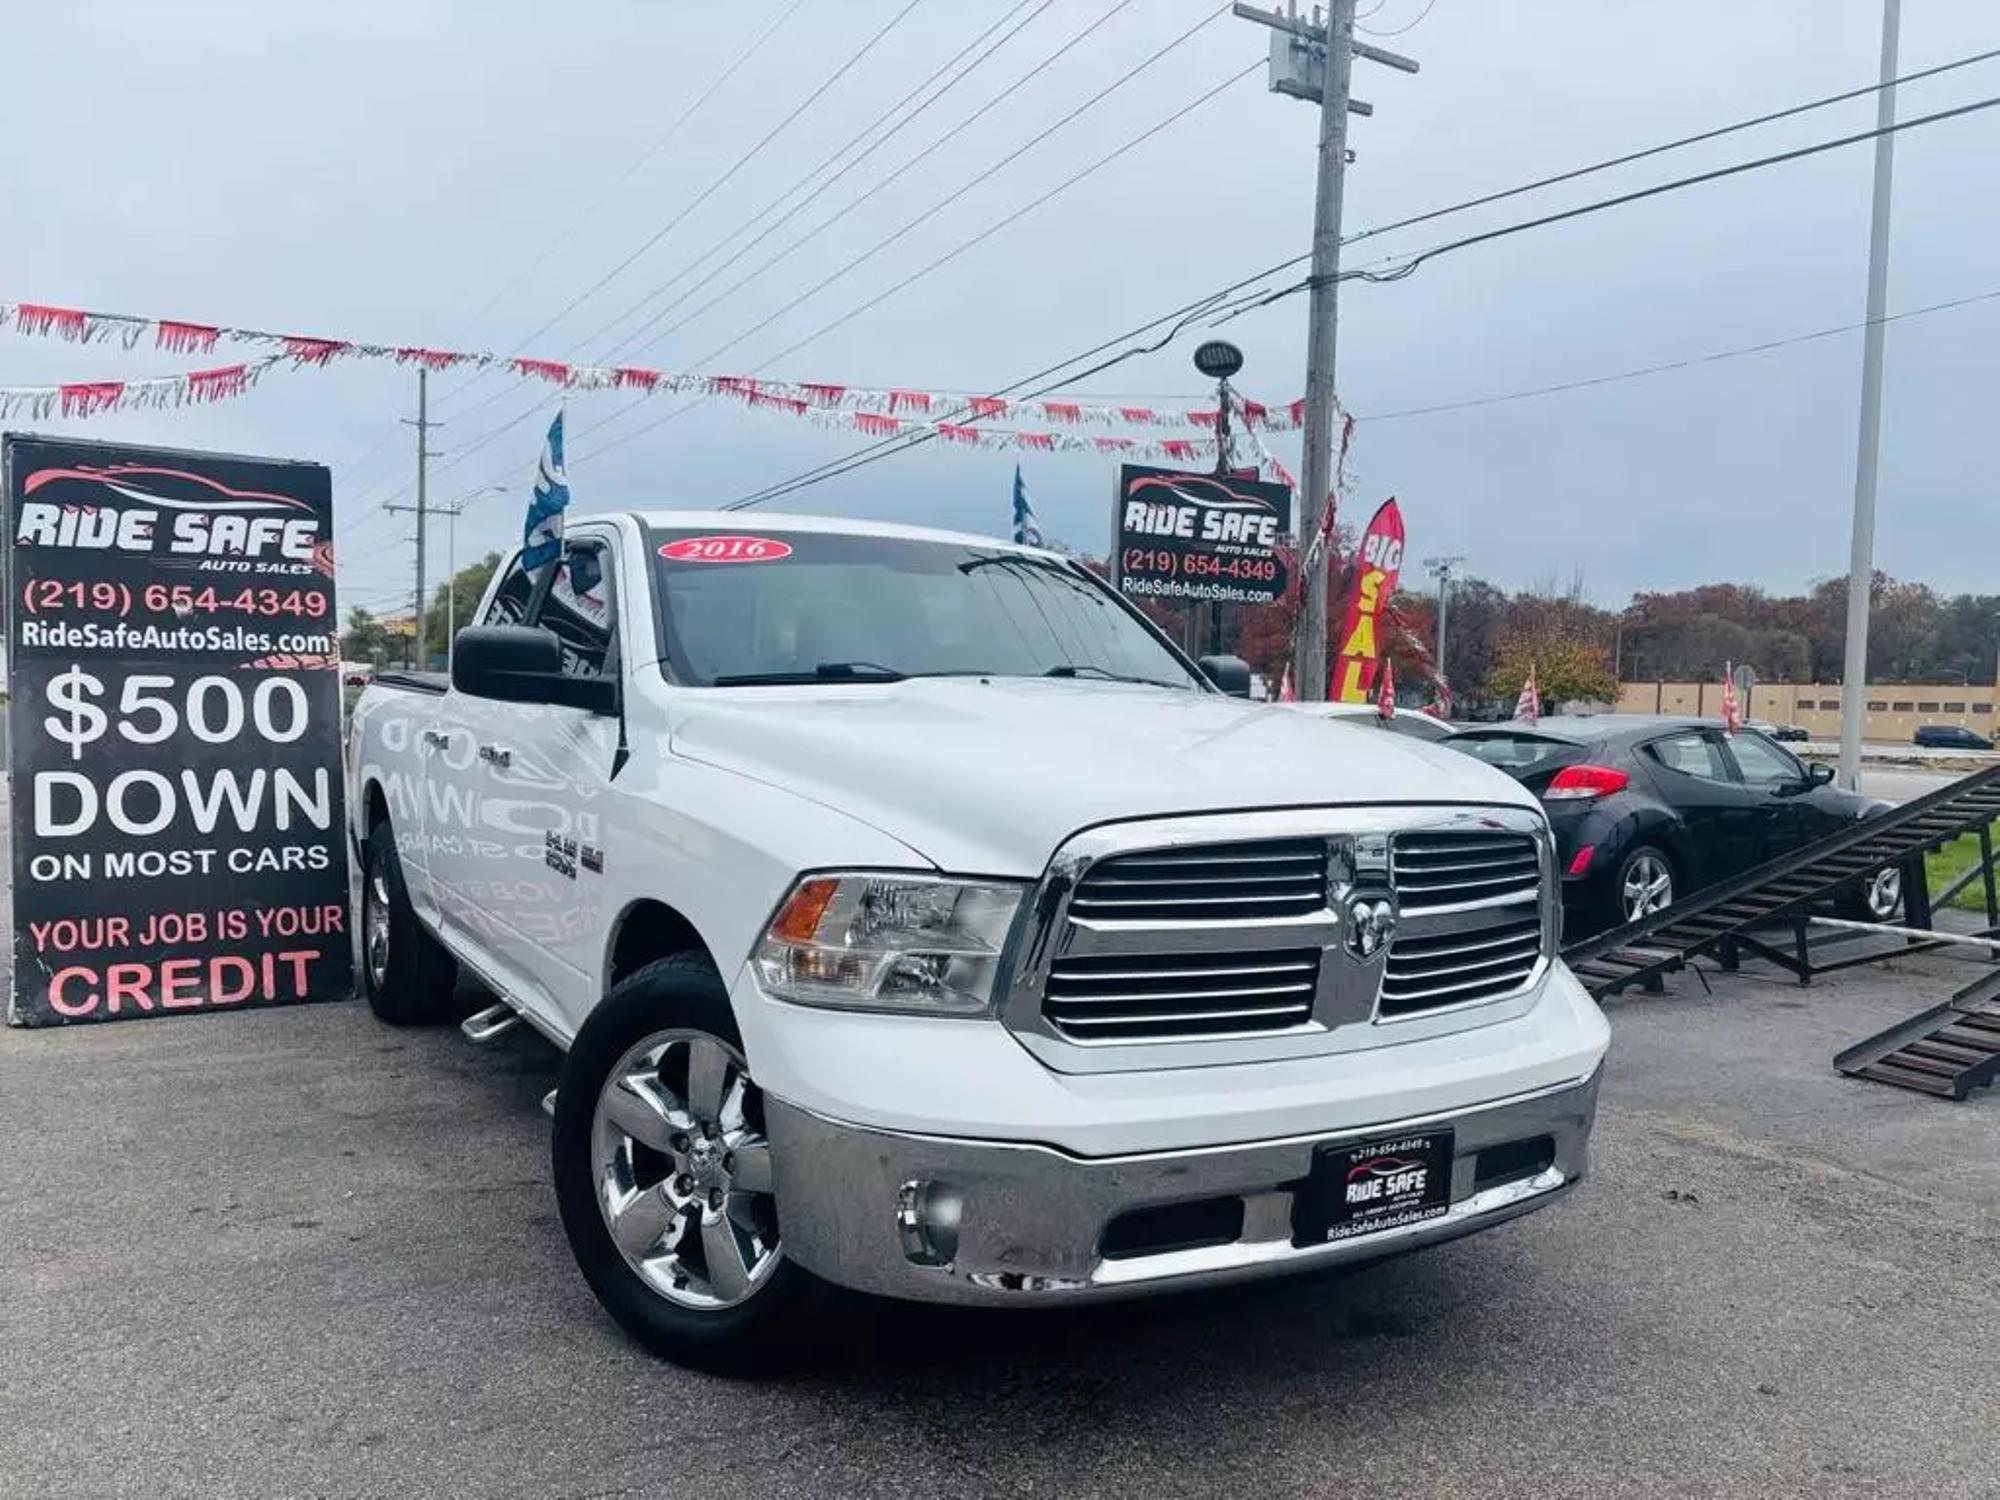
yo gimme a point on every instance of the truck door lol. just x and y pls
(546, 774)
(473, 816)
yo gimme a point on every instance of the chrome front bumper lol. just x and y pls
(941, 1220)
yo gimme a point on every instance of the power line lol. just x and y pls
(591, 209)
(1667, 366)
(882, 448)
(1399, 30)
(886, 182)
(827, 185)
(742, 161)
(962, 247)
(506, 390)
(974, 181)
(1599, 205)
(639, 161)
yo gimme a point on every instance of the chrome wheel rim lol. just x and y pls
(375, 927)
(683, 1170)
(1648, 887)
(1883, 891)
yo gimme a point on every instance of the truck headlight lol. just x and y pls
(888, 942)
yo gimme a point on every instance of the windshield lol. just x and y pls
(808, 606)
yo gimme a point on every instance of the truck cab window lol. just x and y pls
(579, 608)
(510, 600)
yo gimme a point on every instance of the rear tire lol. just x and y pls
(660, 1131)
(406, 973)
(1643, 884)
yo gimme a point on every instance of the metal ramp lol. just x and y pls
(1722, 920)
(1948, 1050)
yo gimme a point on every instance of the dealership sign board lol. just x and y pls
(175, 719)
(1201, 536)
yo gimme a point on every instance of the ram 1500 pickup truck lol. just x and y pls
(916, 918)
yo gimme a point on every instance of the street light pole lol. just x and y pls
(1441, 569)
(1861, 558)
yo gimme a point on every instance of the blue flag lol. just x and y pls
(1027, 530)
(541, 534)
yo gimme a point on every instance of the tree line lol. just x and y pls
(1579, 650)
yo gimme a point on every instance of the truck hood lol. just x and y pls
(988, 776)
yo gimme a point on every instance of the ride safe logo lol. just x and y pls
(149, 509)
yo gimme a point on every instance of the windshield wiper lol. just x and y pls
(826, 671)
(1074, 669)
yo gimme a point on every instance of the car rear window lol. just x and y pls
(1509, 751)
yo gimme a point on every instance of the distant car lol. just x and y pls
(1411, 721)
(1951, 737)
(1776, 731)
(1647, 809)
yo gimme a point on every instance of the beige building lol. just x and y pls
(1894, 710)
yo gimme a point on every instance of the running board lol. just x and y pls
(492, 1022)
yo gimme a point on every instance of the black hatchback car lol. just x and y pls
(1646, 809)
(1951, 737)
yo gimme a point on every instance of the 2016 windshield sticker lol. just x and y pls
(726, 549)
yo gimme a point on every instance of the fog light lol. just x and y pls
(927, 1220)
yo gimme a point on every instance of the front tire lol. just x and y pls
(406, 973)
(1878, 898)
(663, 1173)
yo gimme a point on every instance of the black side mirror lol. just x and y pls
(521, 664)
(1230, 673)
(1819, 773)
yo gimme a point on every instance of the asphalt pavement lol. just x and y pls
(296, 1253)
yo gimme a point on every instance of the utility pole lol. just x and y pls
(423, 426)
(1441, 568)
(450, 569)
(1861, 559)
(1314, 59)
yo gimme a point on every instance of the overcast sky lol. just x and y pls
(397, 173)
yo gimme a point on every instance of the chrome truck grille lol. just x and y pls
(1276, 878)
(1435, 961)
(1257, 935)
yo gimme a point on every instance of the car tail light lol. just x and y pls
(1575, 783)
(1581, 861)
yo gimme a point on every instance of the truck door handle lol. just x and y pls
(436, 740)
(498, 755)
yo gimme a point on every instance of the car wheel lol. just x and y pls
(406, 973)
(1878, 898)
(1645, 884)
(663, 1173)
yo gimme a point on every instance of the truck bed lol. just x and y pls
(434, 683)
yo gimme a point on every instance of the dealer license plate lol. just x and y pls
(1364, 1189)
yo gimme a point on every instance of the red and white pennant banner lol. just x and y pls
(90, 398)
(78, 325)
(967, 435)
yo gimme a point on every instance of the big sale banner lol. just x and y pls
(173, 647)
(1378, 563)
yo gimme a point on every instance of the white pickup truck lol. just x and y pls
(916, 918)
